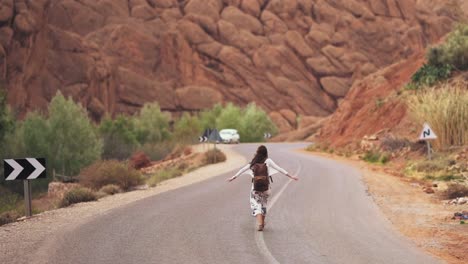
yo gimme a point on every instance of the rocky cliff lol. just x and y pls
(115, 55)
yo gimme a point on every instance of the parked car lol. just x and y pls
(229, 136)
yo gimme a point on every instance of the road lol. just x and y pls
(325, 217)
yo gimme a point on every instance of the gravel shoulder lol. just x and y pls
(19, 238)
(417, 215)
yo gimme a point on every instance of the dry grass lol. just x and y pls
(111, 189)
(445, 108)
(455, 190)
(78, 195)
(164, 174)
(214, 156)
(107, 172)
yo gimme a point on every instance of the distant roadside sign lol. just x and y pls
(427, 133)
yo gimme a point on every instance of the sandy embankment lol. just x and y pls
(19, 238)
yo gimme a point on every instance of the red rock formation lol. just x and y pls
(115, 55)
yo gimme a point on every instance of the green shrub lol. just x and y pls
(8, 200)
(374, 156)
(208, 117)
(214, 156)
(454, 51)
(230, 117)
(163, 175)
(152, 125)
(108, 172)
(78, 195)
(119, 137)
(455, 190)
(187, 129)
(251, 122)
(431, 165)
(445, 108)
(158, 151)
(6, 120)
(73, 143)
(111, 189)
(429, 75)
(254, 123)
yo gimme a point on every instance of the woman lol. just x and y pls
(259, 199)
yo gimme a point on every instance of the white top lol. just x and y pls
(273, 168)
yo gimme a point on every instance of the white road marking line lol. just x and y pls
(259, 239)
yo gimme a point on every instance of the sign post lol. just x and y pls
(427, 134)
(215, 138)
(26, 170)
(27, 197)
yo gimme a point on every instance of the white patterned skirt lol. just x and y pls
(258, 202)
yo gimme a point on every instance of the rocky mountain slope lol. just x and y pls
(115, 55)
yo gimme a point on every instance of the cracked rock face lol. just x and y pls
(296, 55)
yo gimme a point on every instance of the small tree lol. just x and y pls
(34, 133)
(208, 117)
(187, 129)
(152, 125)
(254, 123)
(72, 138)
(229, 117)
(6, 121)
(119, 137)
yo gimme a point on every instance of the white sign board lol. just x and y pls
(427, 133)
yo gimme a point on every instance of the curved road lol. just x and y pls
(325, 217)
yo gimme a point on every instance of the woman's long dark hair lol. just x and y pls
(261, 156)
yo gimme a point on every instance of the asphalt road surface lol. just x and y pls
(325, 217)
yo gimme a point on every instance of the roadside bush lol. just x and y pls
(428, 75)
(6, 121)
(374, 156)
(454, 51)
(8, 217)
(230, 117)
(140, 160)
(152, 125)
(107, 172)
(214, 156)
(251, 122)
(73, 143)
(8, 200)
(445, 108)
(158, 151)
(392, 144)
(78, 195)
(111, 189)
(434, 165)
(187, 129)
(163, 175)
(208, 117)
(455, 190)
(254, 123)
(119, 137)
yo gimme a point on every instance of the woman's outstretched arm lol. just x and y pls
(278, 168)
(242, 170)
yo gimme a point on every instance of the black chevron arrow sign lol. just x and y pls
(24, 169)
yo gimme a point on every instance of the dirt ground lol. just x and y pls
(422, 217)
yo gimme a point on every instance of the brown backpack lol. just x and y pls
(261, 181)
